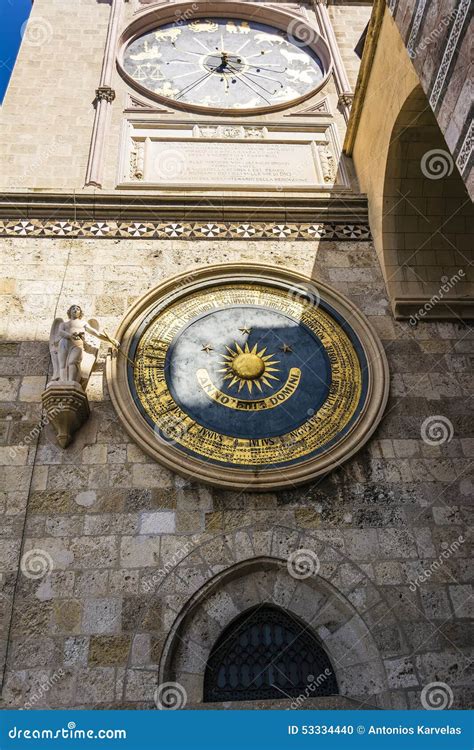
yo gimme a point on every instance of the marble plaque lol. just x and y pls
(271, 165)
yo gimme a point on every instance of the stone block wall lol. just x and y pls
(113, 546)
(349, 21)
(50, 96)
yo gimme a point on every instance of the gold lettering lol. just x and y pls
(270, 402)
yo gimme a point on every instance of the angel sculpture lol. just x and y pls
(74, 347)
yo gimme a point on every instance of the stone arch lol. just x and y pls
(230, 573)
(389, 132)
(342, 632)
(427, 219)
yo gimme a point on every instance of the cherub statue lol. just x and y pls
(74, 347)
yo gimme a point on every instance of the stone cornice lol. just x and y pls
(421, 308)
(370, 46)
(124, 207)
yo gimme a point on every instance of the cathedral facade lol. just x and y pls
(236, 356)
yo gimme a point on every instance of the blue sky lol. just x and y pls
(13, 14)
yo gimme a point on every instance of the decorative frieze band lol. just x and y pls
(185, 230)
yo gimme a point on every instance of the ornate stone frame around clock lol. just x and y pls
(229, 478)
(172, 12)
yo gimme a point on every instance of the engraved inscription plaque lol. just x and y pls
(231, 157)
(204, 162)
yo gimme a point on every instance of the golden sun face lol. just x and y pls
(249, 367)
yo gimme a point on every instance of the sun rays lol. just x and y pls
(249, 367)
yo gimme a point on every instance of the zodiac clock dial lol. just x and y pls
(223, 63)
(250, 382)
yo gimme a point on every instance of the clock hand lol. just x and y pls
(226, 80)
(199, 54)
(267, 78)
(274, 91)
(191, 86)
(199, 85)
(269, 70)
(262, 53)
(227, 58)
(260, 86)
(259, 54)
(242, 77)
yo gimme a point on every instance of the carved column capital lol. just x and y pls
(339, 70)
(346, 98)
(105, 93)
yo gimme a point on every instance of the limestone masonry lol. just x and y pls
(117, 575)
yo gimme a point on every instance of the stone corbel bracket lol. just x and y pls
(67, 409)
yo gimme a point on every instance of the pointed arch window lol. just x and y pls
(266, 653)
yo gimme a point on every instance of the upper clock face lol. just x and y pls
(224, 64)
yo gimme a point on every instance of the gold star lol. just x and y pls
(245, 330)
(286, 348)
(207, 348)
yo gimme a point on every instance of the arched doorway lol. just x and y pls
(267, 653)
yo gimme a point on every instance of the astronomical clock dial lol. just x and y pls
(223, 63)
(248, 381)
